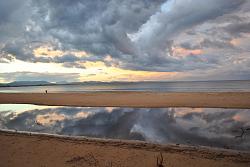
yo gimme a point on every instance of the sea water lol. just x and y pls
(179, 86)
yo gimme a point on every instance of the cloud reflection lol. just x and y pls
(207, 127)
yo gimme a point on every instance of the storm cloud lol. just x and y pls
(136, 35)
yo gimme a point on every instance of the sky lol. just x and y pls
(124, 40)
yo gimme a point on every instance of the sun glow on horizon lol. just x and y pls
(93, 71)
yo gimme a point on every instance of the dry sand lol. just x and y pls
(132, 99)
(39, 150)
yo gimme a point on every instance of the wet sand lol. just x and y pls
(132, 99)
(25, 149)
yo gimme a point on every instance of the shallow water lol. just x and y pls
(191, 126)
(197, 86)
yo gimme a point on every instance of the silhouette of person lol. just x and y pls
(46, 91)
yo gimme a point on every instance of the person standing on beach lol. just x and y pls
(46, 91)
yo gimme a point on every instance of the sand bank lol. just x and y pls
(132, 99)
(46, 150)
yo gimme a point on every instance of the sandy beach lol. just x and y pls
(48, 150)
(131, 99)
(122, 83)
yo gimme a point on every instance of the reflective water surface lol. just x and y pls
(192, 126)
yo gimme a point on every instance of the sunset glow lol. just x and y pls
(124, 41)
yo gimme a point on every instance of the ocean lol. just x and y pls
(178, 86)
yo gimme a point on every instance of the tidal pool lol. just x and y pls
(224, 128)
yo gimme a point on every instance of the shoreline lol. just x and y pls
(127, 143)
(39, 149)
(34, 148)
(239, 100)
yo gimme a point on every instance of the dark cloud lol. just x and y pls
(66, 58)
(138, 35)
(237, 29)
(7, 8)
(14, 14)
(211, 127)
(187, 45)
(19, 49)
(174, 18)
(207, 43)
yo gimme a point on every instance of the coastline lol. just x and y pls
(54, 150)
(36, 149)
(132, 99)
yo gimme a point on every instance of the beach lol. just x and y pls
(32, 149)
(132, 99)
